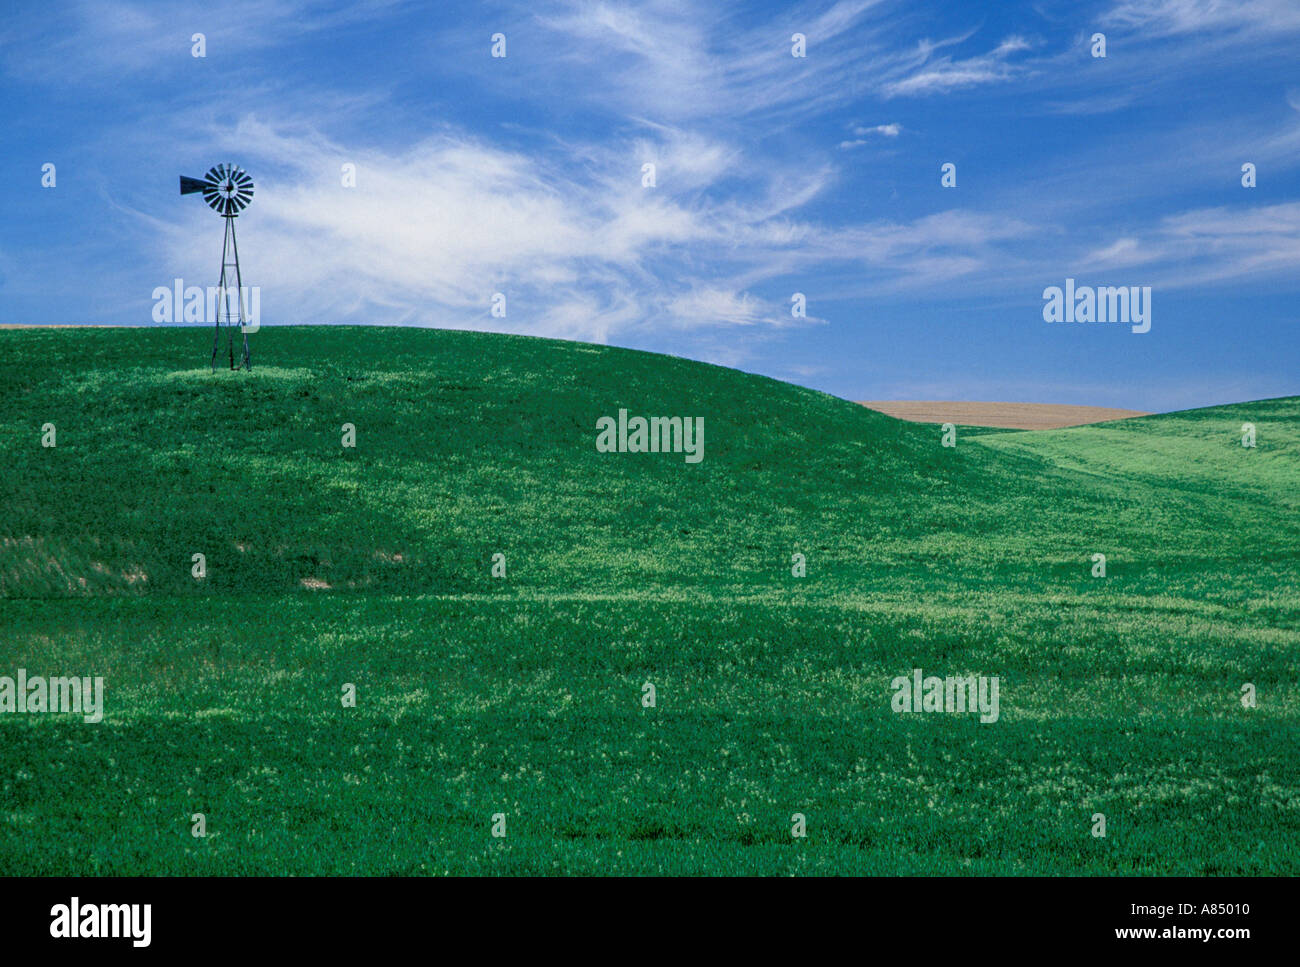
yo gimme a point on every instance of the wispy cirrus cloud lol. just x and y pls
(939, 75)
(429, 234)
(1212, 245)
(1167, 18)
(864, 134)
(116, 38)
(676, 61)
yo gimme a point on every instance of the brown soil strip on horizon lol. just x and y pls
(1010, 416)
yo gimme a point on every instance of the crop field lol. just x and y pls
(517, 703)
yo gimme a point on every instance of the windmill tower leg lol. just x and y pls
(246, 361)
(226, 316)
(216, 340)
(221, 295)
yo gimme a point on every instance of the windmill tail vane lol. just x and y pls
(227, 189)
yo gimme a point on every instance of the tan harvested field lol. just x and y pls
(1013, 416)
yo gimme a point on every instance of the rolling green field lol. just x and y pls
(522, 695)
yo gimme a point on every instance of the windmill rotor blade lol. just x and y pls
(227, 188)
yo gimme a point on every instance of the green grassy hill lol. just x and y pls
(522, 695)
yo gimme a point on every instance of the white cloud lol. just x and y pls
(1172, 17)
(581, 251)
(1121, 252)
(678, 61)
(430, 233)
(885, 130)
(1209, 245)
(714, 306)
(112, 38)
(938, 75)
(862, 135)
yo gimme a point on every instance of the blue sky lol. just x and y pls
(774, 175)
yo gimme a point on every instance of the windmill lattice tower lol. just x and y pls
(227, 189)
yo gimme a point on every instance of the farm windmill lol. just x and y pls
(227, 189)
